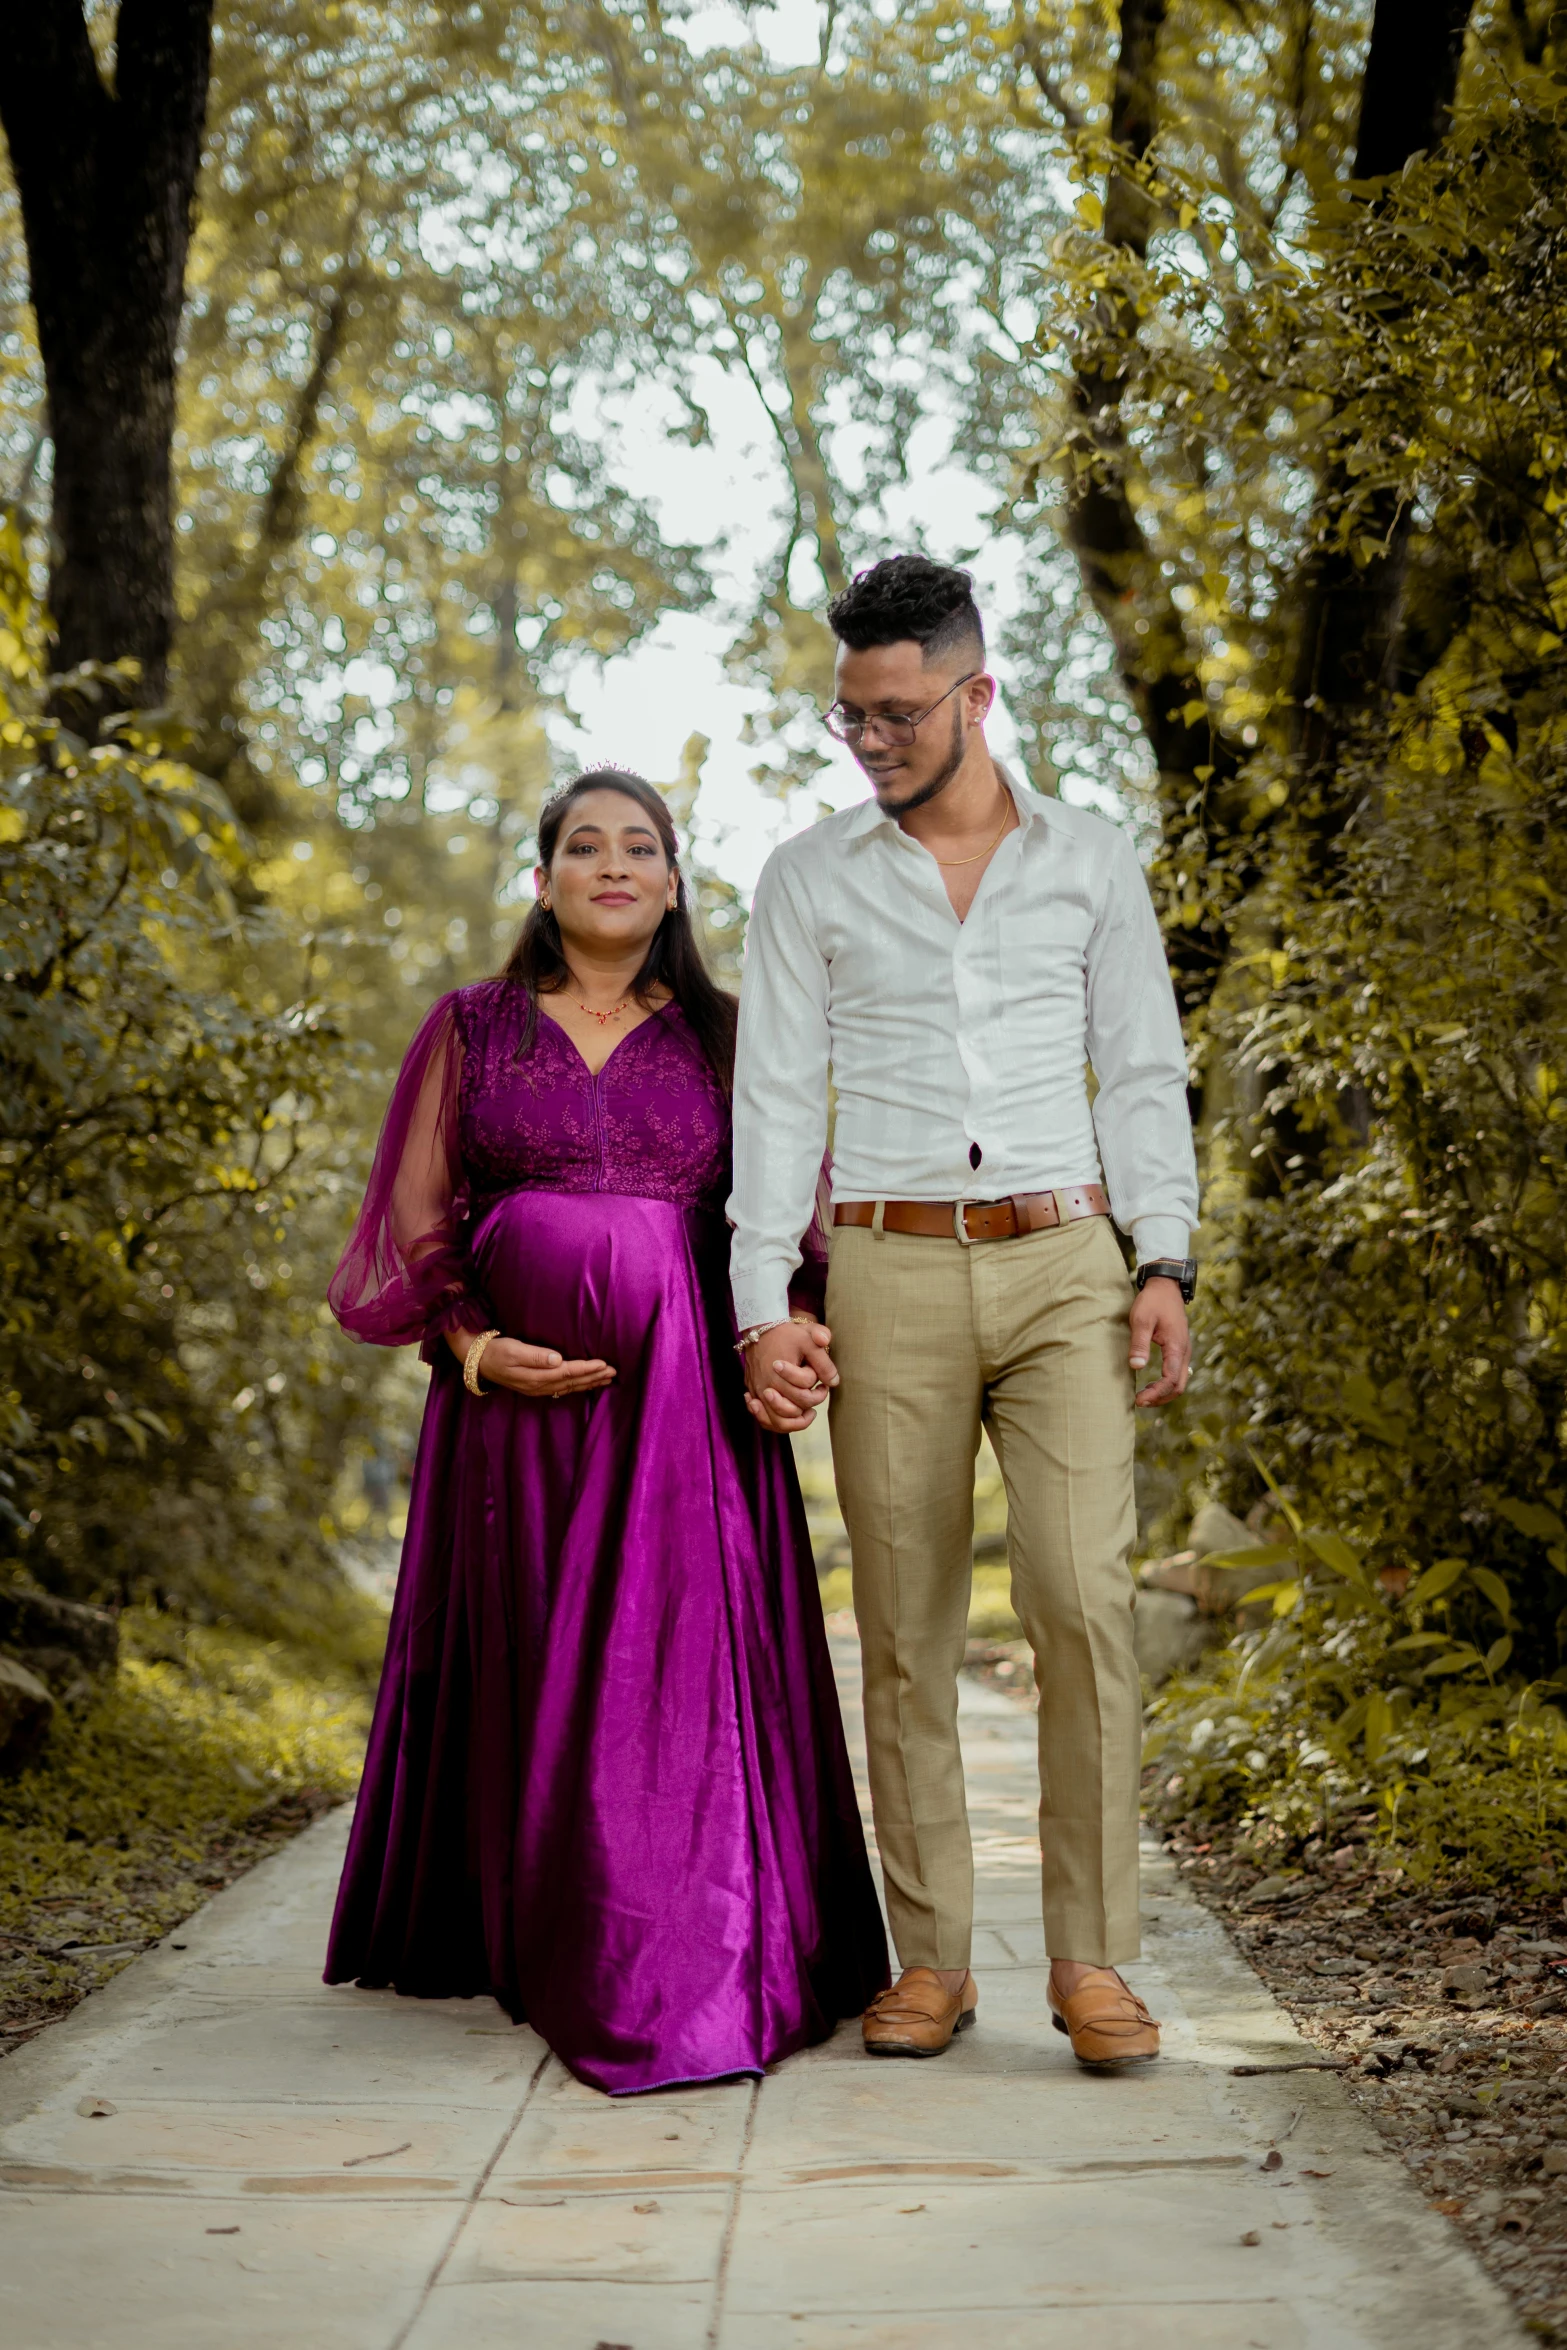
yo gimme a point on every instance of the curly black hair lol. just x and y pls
(909, 596)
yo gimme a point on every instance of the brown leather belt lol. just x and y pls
(970, 1220)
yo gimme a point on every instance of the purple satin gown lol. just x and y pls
(606, 1779)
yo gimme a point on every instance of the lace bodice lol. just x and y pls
(652, 1121)
(473, 1117)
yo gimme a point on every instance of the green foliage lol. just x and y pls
(173, 1415)
(414, 252)
(1338, 1726)
(1332, 400)
(1386, 1132)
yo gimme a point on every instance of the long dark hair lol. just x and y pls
(673, 959)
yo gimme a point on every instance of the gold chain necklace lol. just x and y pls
(948, 862)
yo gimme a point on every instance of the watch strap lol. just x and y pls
(1181, 1270)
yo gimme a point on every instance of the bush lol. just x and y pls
(1306, 1736)
(172, 1414)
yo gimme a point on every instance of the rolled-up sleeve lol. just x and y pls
(1141, 1118)
(780, 1099)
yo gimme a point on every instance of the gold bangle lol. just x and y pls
(470, 1368)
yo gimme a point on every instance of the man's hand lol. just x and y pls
(788, 1372)
(530, 1370)
(1159, 1320)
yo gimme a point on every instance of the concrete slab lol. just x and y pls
(646, 2237)
(1239, 2325)
(215, 2146)
(534, 2316)
(902, 2115)
(289, 2164)
(339, 2047)
(110, 2272)
(932, 2244)
(567, 2141)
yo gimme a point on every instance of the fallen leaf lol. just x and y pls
(644, 2207)
(1273, 2159)
(95, 2107)
(907, 2208)
(1316, 2174)
(234, 2231)
(1251, 2237)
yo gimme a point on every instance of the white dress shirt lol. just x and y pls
(957, 1049)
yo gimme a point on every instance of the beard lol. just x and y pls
(924, 793)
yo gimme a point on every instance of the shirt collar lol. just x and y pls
(867, 816)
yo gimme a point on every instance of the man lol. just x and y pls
(955, 950)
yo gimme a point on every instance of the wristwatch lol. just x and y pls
(1179, 1269)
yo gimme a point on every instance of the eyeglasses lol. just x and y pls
(896, 730)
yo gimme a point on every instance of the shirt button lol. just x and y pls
(975, 1154)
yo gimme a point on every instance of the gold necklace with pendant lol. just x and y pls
(603, 1018)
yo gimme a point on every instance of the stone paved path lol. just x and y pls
(283, 2165)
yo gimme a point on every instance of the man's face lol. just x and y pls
(893, 681)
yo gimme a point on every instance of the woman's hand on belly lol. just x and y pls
(530, 1370)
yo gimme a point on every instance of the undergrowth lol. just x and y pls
(204, 1749)
(1314, 1733)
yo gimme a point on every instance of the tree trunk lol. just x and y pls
(1102, 528)
(106, 177)
(1411, 80)
(813, 484)
(237, 603)
(1118, 567)
(1351, 612)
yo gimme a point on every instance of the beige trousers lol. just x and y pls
(1029, 1338)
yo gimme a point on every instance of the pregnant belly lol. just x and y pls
(592, 1273)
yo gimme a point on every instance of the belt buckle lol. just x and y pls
(960, 1223)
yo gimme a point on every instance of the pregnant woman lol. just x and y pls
(606, 1779)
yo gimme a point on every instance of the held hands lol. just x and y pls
(788, 1373)
(1159, 1320)
(531, 1370)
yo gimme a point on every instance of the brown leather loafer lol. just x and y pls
(1106, 2023)
(919, 2015)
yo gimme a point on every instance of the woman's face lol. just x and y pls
(609, 882)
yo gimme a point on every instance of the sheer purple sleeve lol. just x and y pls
(808, 1282)
(405, 1274)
